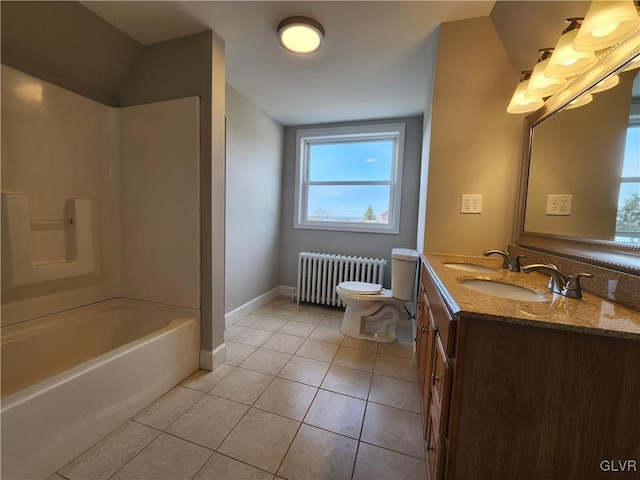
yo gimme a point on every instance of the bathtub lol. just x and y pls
(71, 378)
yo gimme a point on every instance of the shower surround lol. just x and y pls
(99, 205)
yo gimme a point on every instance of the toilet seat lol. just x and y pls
(361, 288)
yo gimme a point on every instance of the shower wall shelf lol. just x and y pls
(18, 266)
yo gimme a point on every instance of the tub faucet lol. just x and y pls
(559, 283)
(508, 263)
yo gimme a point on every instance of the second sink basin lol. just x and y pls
(469, 267)
(503, 290)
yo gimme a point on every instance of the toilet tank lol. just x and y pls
(404, 264)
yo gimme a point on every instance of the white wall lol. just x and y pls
(57, 144)
(253, 186)
(377, 245)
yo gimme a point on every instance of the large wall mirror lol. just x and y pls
(580, 187)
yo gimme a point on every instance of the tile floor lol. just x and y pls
(294, 400)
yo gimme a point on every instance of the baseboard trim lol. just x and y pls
(251, 306)
(212, 359)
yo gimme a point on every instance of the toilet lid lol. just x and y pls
(361, 288)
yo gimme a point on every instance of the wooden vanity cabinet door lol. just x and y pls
(440, 384)
(435, 451)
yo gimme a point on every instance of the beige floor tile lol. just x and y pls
(260, 439)
(355, 358)
(349, 381)
(375, 463)
(309, 315)
(109, 455)
(167, 457)
(318, 350)
(337, 413)
(277, 310)
(205, 380)
(327, 334)
(164, 411)
(360, 344)
(271, 324)
(241, 385)
(266, 361)
(209, 421)
(396, 367)
(318, 454)
(297, 328)
(395, 429)
(252, 336)
(248, 320)
(232, 331)
(332, 321)
(395, 392)
(238, 352)
(305, 370)
(281, 342)
(397, 349)
(220, 467)
(287, 398)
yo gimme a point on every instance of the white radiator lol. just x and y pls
(319, 273)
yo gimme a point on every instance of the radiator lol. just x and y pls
(319, 273)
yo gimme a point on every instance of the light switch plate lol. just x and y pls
(471, 203)
(559, 204)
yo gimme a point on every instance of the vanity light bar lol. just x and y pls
(607, 23)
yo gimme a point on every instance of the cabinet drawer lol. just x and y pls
(442, 318)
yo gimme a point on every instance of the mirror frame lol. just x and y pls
(616, 256)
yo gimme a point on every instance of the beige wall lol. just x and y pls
(253, 186)
(475, 144)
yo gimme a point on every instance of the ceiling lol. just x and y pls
(374, 62)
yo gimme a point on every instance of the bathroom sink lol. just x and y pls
(469, 267)
(503, 290)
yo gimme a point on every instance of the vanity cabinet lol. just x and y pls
(506, 399)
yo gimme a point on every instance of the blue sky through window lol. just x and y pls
(369, 161)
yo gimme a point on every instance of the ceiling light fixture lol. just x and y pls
(607, 23)
(302, 35)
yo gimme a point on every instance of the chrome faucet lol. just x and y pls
(559, 283)
(508, 263)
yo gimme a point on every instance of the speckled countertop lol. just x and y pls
(591, 314)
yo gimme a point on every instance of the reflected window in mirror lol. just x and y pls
(628, 216)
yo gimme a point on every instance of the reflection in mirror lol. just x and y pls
(580, 183)
(584, 173)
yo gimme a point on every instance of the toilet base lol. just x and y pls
(374, 324)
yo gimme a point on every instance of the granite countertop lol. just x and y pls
(591, 314)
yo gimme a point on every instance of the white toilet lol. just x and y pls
(372, 311)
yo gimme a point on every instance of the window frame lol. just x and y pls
(306, 137)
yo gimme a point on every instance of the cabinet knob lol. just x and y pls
(424, 328)
(430, 448)
(434, 378)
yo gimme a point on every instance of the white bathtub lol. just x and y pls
(71, 378)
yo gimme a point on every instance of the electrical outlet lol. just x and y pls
(471, 203)
(559, 204)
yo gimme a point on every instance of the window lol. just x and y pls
(628, 218)
(349, 178)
